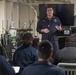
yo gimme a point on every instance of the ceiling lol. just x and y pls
(38, 1)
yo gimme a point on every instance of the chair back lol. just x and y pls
(69, 68)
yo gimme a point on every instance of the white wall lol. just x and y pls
(2, 15)
(16, 14)
(9, 12)
(26, 15)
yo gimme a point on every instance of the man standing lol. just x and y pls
(48, 27)
(43, 66)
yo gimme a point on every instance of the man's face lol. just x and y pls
(49, 12)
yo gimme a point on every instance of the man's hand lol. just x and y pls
(45, 30)
(58, 27)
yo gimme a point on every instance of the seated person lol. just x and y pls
(35, 42)
(43, 66)
(5, 67)
(25, 55)
(68, 53)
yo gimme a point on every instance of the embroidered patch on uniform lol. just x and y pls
(55, 20)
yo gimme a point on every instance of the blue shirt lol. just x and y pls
(49, 24)
(5, 67)
(43, 68)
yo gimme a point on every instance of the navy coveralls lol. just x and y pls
(42, 68)
(52, 35)
(5, 67)
(24, 56)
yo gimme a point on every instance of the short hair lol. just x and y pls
(27, 38)
(44, 49)
(35, 40)
(71, 38)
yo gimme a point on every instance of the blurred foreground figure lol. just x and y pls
(5, 67)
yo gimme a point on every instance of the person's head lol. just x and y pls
(71, 40)
(49, 12)
(35, 40)
(27, 38)
(44, 50)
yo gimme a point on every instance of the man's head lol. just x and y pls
(71, 40)
(49, 12)
(44, 50)
(27, 38)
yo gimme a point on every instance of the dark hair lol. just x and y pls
(27, 38)
(48, 6)
(35, 40)
(71, 38)
(44, 49)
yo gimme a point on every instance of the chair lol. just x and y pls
(69, 68)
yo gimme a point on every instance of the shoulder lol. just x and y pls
(2, 58)
(55, 18)
(20, 47)
(57, 70)
(32, 49)
(42, 19)
(28, 69)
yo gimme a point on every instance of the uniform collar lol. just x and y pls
(43, 63)
(51, 18)
(71, 44)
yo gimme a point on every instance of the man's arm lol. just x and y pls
(59, 28)
(40, 29)
(39, 26)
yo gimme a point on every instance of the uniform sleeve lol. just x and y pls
(39, 26)
(6, 67)
(59, 22)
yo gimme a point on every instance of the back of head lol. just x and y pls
(27, 38)
(35, 40)
(71, 40)
(44, 49)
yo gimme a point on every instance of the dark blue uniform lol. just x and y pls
(52, 35)
(42, 68)
(5, 67)
(24, 56)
